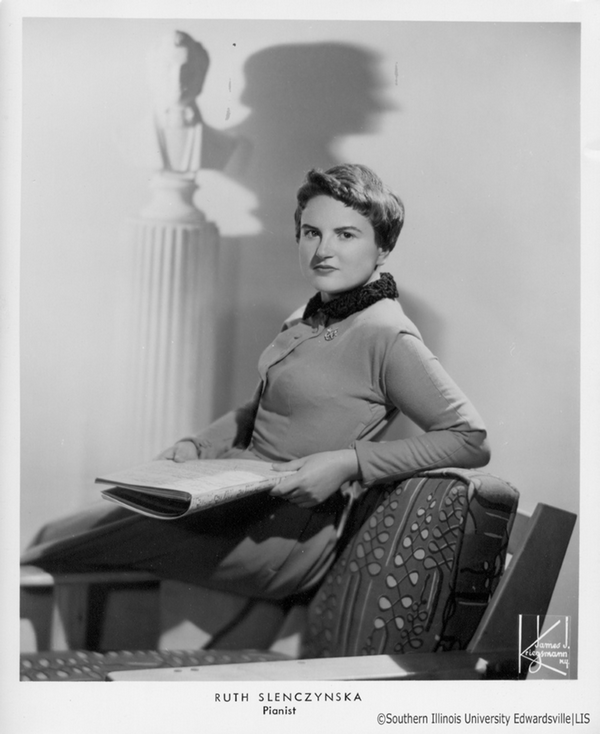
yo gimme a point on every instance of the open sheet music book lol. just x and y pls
(167, 490)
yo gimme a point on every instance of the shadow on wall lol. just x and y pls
(304, 100)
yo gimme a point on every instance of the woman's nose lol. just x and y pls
(325, 246)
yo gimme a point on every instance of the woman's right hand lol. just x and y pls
(181, 451)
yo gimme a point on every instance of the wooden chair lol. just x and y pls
(76, 611)
(525, 589)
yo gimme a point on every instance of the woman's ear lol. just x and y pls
(382, 257)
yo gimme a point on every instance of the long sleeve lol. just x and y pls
(417, 385)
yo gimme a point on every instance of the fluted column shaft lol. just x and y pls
(173, 331)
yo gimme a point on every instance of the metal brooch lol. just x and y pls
(330, 334)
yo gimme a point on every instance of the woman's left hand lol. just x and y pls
(316, 477)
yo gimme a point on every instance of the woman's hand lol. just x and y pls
(181, 451)
(317, 477)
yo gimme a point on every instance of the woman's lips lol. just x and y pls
(324, 268)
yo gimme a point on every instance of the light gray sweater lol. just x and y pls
(327, 386)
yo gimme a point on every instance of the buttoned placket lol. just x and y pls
(311, 332)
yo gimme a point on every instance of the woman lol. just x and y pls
(331, 381)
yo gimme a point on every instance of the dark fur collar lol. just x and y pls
(352, 301)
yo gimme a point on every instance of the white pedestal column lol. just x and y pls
(175, 263)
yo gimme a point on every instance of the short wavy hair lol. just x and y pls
(359, 188)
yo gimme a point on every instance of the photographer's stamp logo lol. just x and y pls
(544, 646)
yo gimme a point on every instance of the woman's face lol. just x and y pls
(337, 247)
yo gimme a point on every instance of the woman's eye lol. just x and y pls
(310, 233)
(346, 235)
